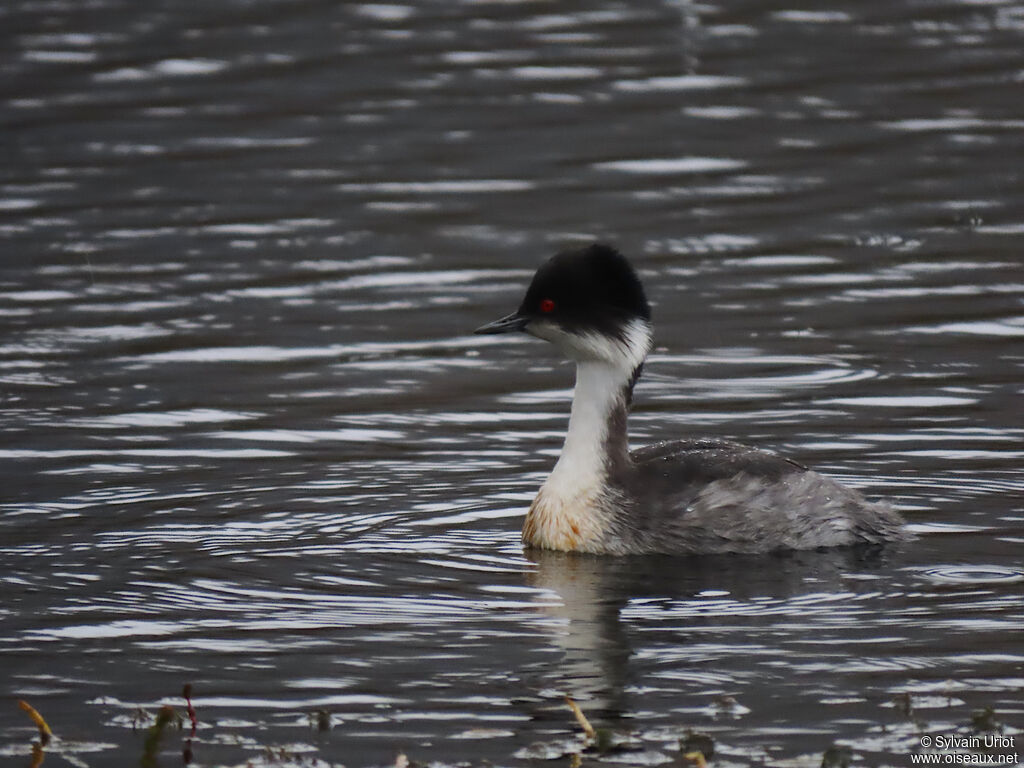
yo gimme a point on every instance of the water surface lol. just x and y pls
(248, 443)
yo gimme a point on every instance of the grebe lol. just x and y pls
(685, 496)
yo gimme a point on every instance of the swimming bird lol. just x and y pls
(677, 497)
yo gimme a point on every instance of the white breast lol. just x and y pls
(567, 523)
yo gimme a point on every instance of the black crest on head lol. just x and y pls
(593, 287)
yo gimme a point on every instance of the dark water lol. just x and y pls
(248, 444)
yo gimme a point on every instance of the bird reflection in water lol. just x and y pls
(714, 612)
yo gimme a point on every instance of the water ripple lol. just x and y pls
(972, 574)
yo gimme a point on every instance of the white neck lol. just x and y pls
(605, 368)
(600, 390)
(567, 513)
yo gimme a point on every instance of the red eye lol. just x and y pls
(547, 305)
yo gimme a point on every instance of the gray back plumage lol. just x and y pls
(718, 496)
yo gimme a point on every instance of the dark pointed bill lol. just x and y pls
(507, 324)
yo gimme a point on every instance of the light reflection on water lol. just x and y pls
(250, 444)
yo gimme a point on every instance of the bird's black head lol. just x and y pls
(588, 294)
